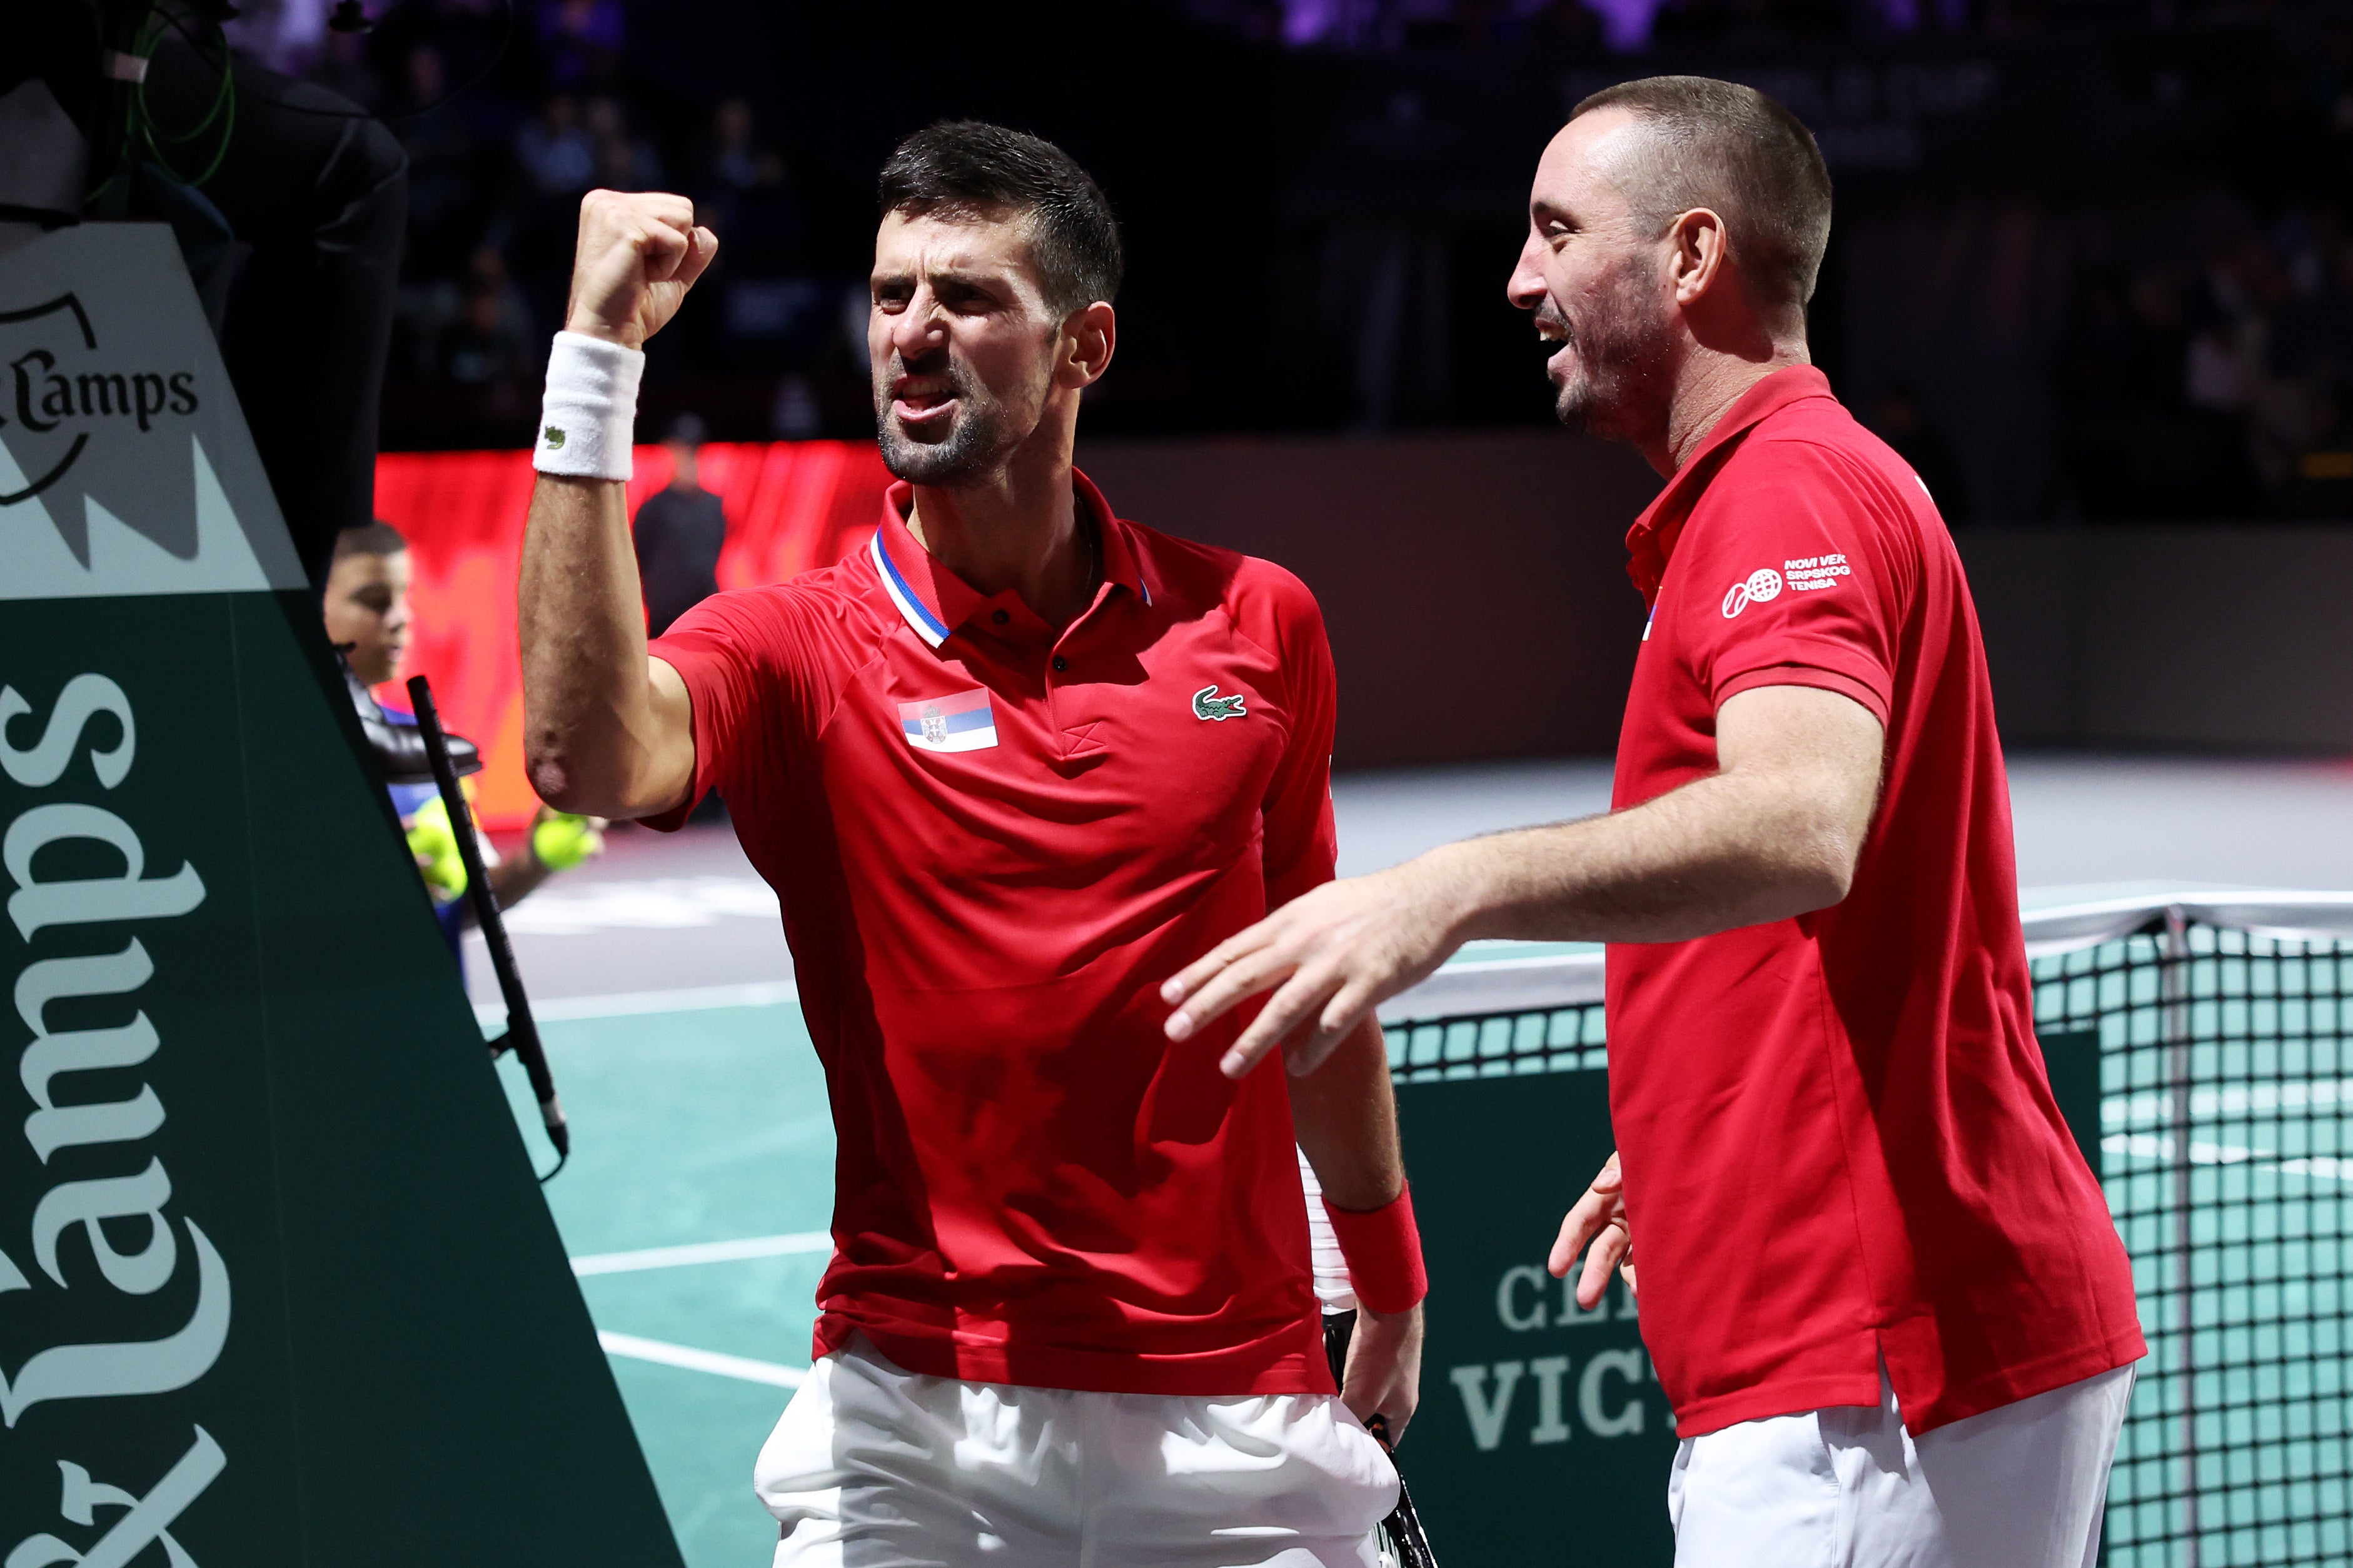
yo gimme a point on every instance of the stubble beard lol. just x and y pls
(976, 442)
(1622, 379)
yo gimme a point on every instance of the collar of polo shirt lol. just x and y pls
(1652, 538)
(936, 604)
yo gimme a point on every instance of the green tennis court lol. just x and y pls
(694, 1128)
(2205, 1070)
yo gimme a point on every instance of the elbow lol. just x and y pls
(1822, 873)
(1819, 886)
(555, 782)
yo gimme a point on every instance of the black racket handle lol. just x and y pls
(521, 1035)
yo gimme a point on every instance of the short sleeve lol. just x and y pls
(744, 671)
(1300, 845)
(1797, 569)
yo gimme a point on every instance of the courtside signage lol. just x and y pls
(124, 470)
(120, 445)
(277, 1287)
(1528, 1401)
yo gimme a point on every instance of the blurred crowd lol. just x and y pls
(1625, 27)
(2201, 368)
(508, 114)
(2218, 387)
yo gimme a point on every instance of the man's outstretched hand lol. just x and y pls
(1333, 956)
(1599, 1217)
(637, 256)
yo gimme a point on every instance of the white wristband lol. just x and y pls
(590, 415)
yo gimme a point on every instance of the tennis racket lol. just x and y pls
(1400, 1538)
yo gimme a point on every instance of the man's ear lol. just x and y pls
(1090, 336)
(1697, 254)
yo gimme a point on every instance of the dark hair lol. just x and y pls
(971, 168)
(377, 538)
(1729, 148)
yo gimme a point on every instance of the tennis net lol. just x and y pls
(2214, 1035)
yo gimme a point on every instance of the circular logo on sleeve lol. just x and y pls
(1763, 585)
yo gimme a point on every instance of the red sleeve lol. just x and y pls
(740, 656)
(1797, 569)
(1301, 846)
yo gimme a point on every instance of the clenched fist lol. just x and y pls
(637, 256)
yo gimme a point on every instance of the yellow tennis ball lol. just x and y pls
(562, 840)
(435, 844)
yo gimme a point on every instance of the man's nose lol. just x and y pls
(1526, 287)
(918, 329)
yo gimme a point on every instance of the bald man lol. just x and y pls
(1879, 1282)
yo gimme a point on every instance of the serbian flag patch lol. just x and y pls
(963, 722)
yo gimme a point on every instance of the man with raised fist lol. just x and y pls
(1006, 768)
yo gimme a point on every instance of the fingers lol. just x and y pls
(1577, 1227)
(1292, 1005)
(1202, 970)
(1389, 1397)
(1304, 1052)
(658, 227)
(702, 248)
(1236, 980)
(1611, 1246)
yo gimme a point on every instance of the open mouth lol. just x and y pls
(1553, 334)
(920, 400)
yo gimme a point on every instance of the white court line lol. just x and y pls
(667, 1354)
(624, 1003)
(702, 1252)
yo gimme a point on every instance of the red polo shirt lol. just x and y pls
(1838, 1139)
(992, 843)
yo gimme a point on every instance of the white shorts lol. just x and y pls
(2023, 1485)
(873, 1466)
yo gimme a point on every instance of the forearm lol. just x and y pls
(593, 738)
(519, 875)
(1345, 1116)
(1721, 852)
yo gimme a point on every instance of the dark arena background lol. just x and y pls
(2091, 275)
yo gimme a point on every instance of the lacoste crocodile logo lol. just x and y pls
(1207, 704)
(553, 437)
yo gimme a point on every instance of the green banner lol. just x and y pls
(277, 1286)
(1543, 1436)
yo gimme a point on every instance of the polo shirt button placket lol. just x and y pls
(998, 617)
(1061, 664)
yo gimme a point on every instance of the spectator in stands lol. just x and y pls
(483, 347)
(555, 150)
(2230, 353)
(367, 615)
(737, 162)
(446, 189)
(679, 533)
(742, 191)
(2140, 446)
(624, 162)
